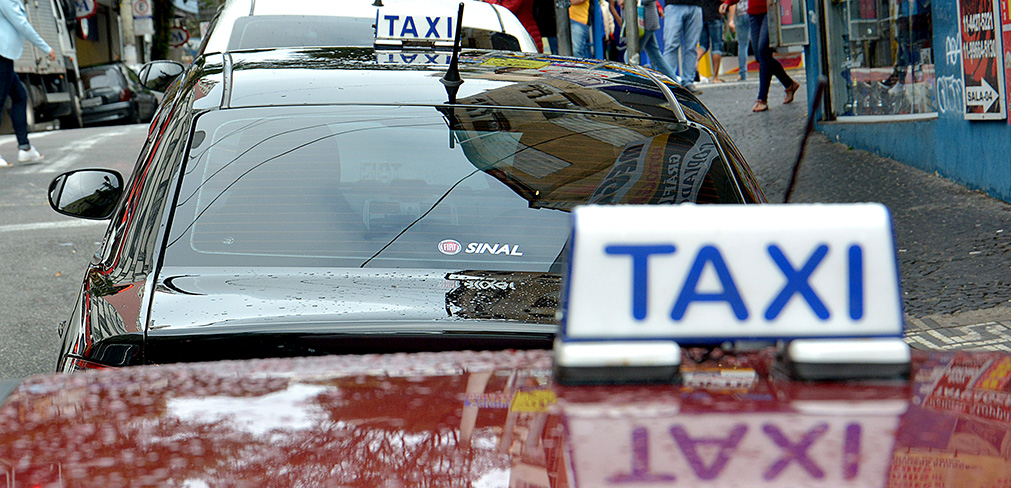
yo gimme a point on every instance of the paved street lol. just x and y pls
(954, 245)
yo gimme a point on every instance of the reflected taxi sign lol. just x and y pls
(710, 273)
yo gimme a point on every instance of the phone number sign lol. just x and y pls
(982, 59)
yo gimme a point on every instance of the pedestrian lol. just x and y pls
(768, 66)
(682, 29)
(648, 43)
(544, 15)
(581, 28)
(524, 11)
(740, 24)
(14, 29)
(616, 39)
(711, 40)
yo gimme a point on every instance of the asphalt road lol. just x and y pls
(954, 245)
(43, 255)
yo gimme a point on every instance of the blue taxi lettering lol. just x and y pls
(797, 281)
(641, 471)
(408, 27)
(794, 452)
(856, 288)
(690, 293)
(391, 19)
(640, 272)
(690, 447)
(791, 452)
(433, 27)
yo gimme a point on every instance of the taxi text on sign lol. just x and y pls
(419, 23)
(698, 273)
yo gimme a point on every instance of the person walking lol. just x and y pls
(544, 16)
(14, 29)
(711, 40)
(682, 29)
(648, 42)
(581, 28)
(740, 23)
(768, 66)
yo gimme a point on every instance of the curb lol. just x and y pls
(988, 330)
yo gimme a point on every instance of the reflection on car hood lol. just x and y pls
(201, 300)
(497, 419)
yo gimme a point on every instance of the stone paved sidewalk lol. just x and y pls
(982, 329)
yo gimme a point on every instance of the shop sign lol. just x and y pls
(178, 36)
(84, 8)
(982, 60)
(1005, 16)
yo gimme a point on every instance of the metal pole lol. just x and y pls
(564, 30)
(128, 39)
(631, 14)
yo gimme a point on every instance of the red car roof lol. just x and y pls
(497, 419)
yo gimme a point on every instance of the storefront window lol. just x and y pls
(887, 54)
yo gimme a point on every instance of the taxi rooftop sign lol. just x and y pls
(708, 274)
(418, 24)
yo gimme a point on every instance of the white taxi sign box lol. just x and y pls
(708, 274)
(395, 26)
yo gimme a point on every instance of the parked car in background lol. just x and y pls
(114, 94)
(309, 201)
(248, 24)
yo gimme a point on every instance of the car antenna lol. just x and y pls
(452, 77)
(815, 104)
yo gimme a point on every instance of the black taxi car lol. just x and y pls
(296, 202)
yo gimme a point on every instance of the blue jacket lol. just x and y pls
(14, 29)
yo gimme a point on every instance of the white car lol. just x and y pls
(249, 24)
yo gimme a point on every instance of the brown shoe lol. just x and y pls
(760, 106)
(790, 91)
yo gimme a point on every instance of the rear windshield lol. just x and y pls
(421, 187)
(105, 77)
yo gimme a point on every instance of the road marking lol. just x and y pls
(77, 150)
(64, 224)
(35, 135)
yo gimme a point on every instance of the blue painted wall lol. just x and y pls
(975, 154)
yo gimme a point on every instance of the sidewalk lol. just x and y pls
(953, 244)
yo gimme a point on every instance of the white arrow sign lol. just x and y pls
(981, 96)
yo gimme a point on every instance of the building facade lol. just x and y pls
(921, 82)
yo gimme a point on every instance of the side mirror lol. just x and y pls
(86, 193)
(159, 75)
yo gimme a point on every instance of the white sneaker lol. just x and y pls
(30, 155)
(4, 163)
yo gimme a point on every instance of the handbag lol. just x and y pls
(640, 13)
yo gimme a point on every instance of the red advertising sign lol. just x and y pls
(982, 59)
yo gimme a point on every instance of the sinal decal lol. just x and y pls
(451, 247)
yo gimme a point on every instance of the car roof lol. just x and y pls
(315, 76)
(478, 14)
(491, 418)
